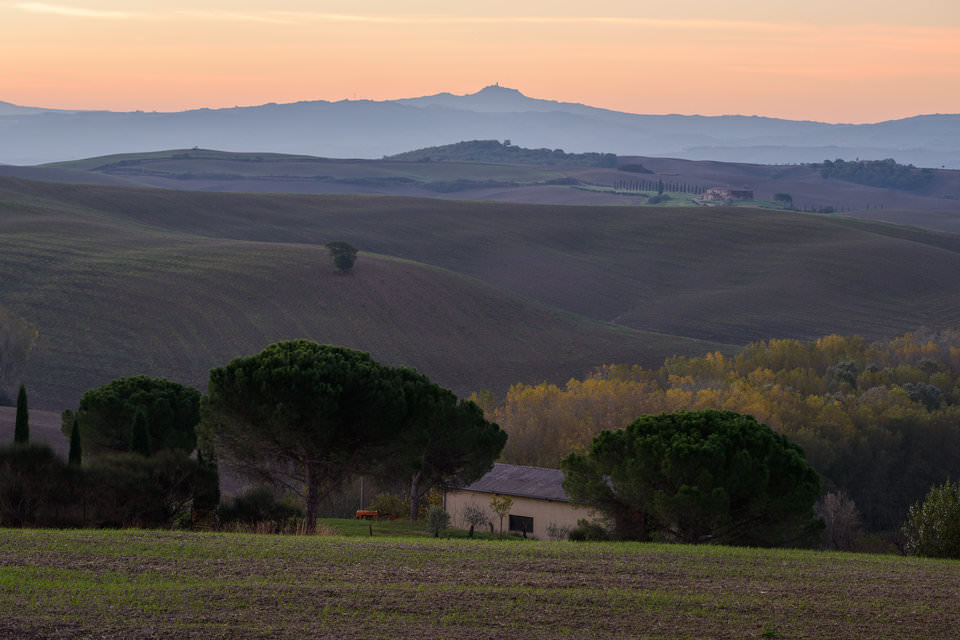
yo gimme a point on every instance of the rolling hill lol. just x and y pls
(127, 280)
(490, 170)
(114, 293)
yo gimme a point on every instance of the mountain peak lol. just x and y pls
(496, 90)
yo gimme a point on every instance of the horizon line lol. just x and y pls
(496, 85)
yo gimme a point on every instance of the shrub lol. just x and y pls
(258, 505)
(475, 516)
(390, 503)
(129, 490)
(933, 526)
(438, 519)
(36, 488)
(587, 531)
(658, 199)
(556, 533)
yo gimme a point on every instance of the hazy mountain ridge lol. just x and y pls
(371, 129)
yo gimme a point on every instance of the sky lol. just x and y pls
(831, 61)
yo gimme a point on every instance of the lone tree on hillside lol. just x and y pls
(106, 415)
(344, 255)
(698, 476)
(21, 428)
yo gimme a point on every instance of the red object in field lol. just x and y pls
(374, 515)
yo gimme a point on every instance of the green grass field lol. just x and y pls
(154, 584)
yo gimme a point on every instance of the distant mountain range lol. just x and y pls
(372, 129)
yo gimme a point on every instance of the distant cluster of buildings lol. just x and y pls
(723, 194)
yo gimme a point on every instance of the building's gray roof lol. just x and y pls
(524, 482)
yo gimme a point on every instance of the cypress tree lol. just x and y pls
(76, 451)
(140, 437)
(21, 430)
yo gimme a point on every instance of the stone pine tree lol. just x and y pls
(21, 431)
(106, 415)
(140, 435)
(304, 416)
(442, 441)
(698, 476)
(75, 457)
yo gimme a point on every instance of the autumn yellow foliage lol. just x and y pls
(879, 420)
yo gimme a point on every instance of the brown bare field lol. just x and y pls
(477, 295)
(147, 584)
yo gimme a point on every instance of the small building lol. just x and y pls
(540, 509)
(719, 194)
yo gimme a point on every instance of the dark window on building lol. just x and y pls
(521, 523)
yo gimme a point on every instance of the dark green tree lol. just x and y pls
(698, 476)
(344, 255)
(444, 442)
(21, 429)
(304, 416)
(106, 415)
(75, 456)
(140, 435)
(933, 526)
(783, 198)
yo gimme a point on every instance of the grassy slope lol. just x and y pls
(114, 297)
(730, 275)
(149, 584)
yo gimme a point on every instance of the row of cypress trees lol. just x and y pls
(154, 489)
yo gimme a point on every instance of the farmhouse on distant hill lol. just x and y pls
(539, 500)
(716, 194)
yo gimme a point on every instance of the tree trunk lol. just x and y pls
(415, 495)
(313, 498)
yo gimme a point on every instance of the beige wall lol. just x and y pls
(543, 512)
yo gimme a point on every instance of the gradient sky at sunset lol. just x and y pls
(849, 61)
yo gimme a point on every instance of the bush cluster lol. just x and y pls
(38, 489)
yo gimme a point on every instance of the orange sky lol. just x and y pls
(863, 62)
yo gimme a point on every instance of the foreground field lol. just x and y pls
(146, 584)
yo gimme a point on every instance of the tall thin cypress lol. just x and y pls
(76, 450)
(140, 436)
(21, 430)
